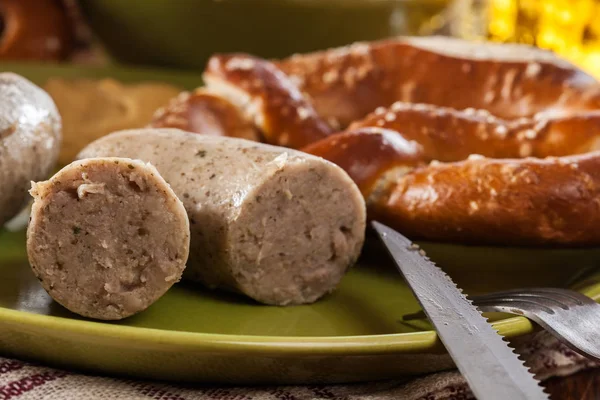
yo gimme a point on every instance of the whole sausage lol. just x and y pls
(277, 225)
(30, 135)
(107, 237)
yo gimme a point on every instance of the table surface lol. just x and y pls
(582, 386)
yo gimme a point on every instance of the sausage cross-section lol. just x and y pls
(277, 225)
(30, 135)
(107, 237)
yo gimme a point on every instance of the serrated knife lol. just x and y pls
(490, 367)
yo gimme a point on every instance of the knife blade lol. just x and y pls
(491, 368)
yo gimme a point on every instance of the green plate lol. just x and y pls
(192, 334)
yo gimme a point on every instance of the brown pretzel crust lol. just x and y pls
(446, 100)
(451, 135)
(203, 112)
(375, 152)
(479, 200)
(510, 81)
(268, 97)
(35, 30)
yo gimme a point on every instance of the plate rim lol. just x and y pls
(410, 342)
(353, 345)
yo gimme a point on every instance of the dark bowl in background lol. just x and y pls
(184, 33)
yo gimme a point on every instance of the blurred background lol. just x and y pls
(182, 34)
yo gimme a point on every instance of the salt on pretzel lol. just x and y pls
(407, 104)
(451, 135)
(527, 201)
(368, 154)
(202, 111)
(491, 197)
(267, 97)
(508, 80)
(409, 134)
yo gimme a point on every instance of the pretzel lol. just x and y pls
(450, 135)
(202, 111)
(498, 201)
(379, 142)
(508, 80)
(447, 140)
(375, 152)
(35, 30)
(268, 97)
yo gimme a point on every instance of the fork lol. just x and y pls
(570, 316)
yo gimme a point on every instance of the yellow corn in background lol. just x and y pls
(571, 28)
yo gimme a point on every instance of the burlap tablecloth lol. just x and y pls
(19, 380)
